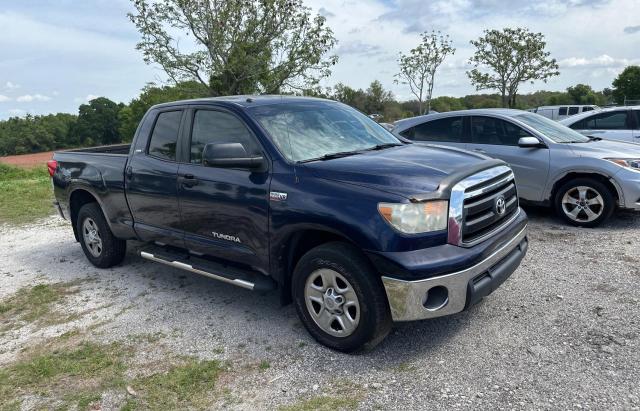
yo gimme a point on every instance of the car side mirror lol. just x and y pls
(229, 155)
(529, 142)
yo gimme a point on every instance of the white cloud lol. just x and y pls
(601, 61)
(4, 98)
(11, 86)
(28, 98)
(86, 99)
(16, 112)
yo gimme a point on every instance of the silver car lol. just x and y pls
(583, 178)
(615, 123)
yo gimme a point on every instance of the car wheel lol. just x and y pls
(340, 298)
(584, 202)
(99, 244)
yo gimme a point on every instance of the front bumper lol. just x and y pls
(451, 293)
(628, 184)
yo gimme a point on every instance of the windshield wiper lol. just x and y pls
(383, 146)
(593, 138)
(330, 156)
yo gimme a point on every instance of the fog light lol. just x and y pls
(436, 298)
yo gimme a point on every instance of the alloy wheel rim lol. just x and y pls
(332, 302)
(583, 204)
(91, 237)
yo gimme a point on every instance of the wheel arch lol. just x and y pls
(294, 245)
(78, 198)
(607, 180)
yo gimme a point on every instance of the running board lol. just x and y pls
(212, 270)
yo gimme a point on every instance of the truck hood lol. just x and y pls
(409, 171)
(606, 149)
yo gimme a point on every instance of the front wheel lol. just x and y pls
(340, 298)
(584, 202)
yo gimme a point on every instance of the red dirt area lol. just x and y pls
(28, 160)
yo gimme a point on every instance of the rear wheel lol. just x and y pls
(340, 298)
(584, 202)
(99, 244)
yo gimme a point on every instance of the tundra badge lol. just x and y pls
(277, 196)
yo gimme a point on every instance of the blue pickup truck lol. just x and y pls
(305, 196)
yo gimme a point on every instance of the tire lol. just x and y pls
(105, 251)
(590, 199)
(341, 267)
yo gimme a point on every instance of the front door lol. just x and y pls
(151, 185)
(224, 210)
(499, 139)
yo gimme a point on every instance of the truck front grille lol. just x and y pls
(488, 206)
(482, 204)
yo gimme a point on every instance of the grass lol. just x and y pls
(25, 194)
(69, 373)
(184, 386)
(74, 375)
(264, 365)
(323, 403)
(33, 304)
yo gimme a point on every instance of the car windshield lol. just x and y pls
(314, 131)
(555, 131)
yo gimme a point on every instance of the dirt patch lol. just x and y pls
(28, 160)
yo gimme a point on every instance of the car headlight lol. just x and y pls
(414, 218)
(632, 163)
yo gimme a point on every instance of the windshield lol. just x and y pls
(305, 132)
(556, 132)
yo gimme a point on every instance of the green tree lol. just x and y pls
(505, 59)
(241, 46)
(627, 85)
(376, 98)
(418, 68)
(582, 94)
(97, 123)
(129, 117)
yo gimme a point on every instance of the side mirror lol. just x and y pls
(229, 155)
(529, 142)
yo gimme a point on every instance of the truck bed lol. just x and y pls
(122, 149)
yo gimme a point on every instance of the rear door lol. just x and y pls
(499, 139)
(610, 125)
(447, 131)
(636, 126)
(151, 181)
(224, 210)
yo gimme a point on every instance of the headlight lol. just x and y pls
(632, 163)
(413, 218)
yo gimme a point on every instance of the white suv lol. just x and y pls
(616, 123)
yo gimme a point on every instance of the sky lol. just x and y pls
(55, 55)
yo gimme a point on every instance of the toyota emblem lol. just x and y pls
(500, 206)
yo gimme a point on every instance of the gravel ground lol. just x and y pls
(561, 333)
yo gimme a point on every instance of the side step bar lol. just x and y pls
(211, 270)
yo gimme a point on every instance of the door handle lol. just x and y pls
(129, 173)
(189, 180)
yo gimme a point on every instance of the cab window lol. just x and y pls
(217, 127)
(445, 130)
(573, 110)
(164, 138)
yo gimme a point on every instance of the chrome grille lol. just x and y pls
(482, 204)
(486, 211)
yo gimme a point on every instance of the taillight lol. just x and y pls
(51, 166)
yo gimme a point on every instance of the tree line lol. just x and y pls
(280, 46)
(102, 121)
